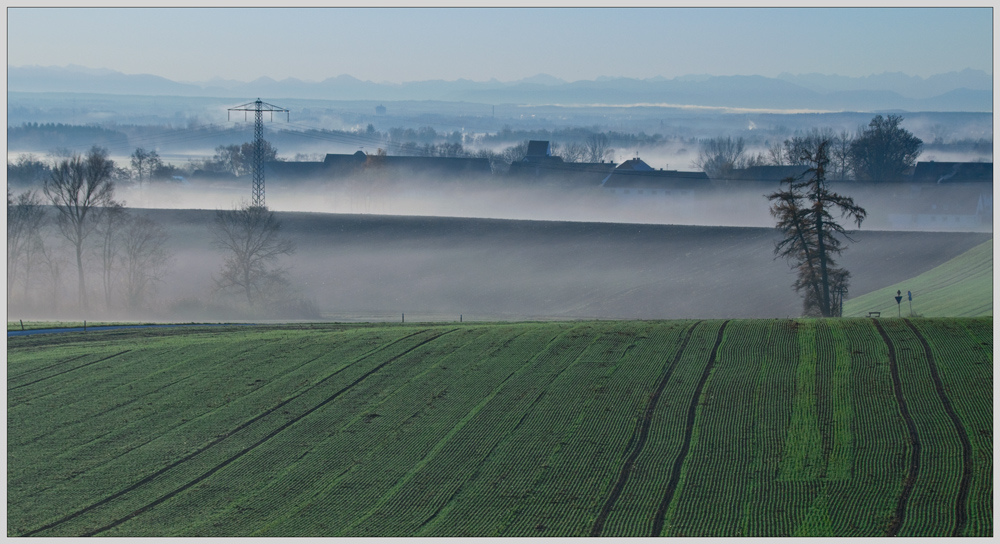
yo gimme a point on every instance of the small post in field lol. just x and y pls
(22, 324)
(403, 320)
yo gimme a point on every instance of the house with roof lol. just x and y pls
(636, 180)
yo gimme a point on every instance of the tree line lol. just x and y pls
(74, 230)
(881, 151)
(75, 226)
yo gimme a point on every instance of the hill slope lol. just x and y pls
(961, 287)
(678, 428)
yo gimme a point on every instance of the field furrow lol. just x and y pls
(60, 373)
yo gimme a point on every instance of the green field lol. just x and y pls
(847, 427)
(960, 287)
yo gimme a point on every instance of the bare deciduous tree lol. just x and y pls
(143, 261)
(25, 217)
(27, 170)
(109, 231)
(598, 147)
(574, 152)
(79, 189)
(250, 238)
(515, 153)
(718, 157)
(805, 145)
(840, 155)
(238, 159)
(53, 266)
(145, 163)
(776, 154)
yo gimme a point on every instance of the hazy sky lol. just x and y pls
(408, 44)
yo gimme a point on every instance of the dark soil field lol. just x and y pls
(378, 267)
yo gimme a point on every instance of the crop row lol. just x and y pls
(962, 355)
(742, 428)
(301, 421)
(205, 425)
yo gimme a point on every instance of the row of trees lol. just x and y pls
(144, 165)
(235, 159)
(881, 151)
(29, 170)
(102, 240)
(77, 205)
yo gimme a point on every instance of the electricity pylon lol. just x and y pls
(258, 108)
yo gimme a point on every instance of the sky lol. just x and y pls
(414, 44)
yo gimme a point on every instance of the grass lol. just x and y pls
(960, 287)
(681, 428)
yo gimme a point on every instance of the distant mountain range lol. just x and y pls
(967, 90)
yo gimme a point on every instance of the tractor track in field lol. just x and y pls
(85, 417)
(118, 406)
(9, 389)
(896, 521)
(32, 371)
(675, 476)
(213, 443)
(256, 444)
(961, 502)
(642, 431)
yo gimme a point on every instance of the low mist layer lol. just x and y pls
(377, 267)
